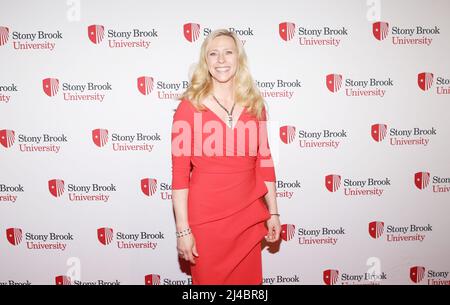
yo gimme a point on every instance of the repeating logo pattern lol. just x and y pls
(96, 33)
(380, 30)
(14, 236)
(191, 31)
(105, 235)
(287, 232)
(330, 276)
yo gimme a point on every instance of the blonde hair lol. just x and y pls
(201, 85)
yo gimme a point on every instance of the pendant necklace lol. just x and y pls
(230, 114)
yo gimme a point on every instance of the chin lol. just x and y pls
(223, 79)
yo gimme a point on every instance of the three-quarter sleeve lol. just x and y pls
(181, 145)
(264, 161)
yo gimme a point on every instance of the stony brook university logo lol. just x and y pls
(421, 180)
(286, 30)
(14, 236)
(50, 86)
(334, 82)
(332, 182)
(152, 279)
(100, 137)
(105, 235)
(425, 80)
(287, 232)
(330, 276)
(4, 35)
(380, 30)
(376, 229)
(148, 186)
(145, 84)
(191, 31)
(416, 273)
(96, 33)
(7, 137)
(378, 132)
(287, 134)
(56, 187)
(62, 280)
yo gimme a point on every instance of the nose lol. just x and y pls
(221, 57)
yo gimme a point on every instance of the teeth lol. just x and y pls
(222, 69)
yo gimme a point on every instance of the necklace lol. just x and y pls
(230, 114)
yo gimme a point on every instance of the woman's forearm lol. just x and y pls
(179, 203)
(271, 197)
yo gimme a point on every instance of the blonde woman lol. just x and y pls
(223, 178)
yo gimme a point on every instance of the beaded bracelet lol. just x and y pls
(183, 233)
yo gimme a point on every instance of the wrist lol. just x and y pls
(183, 232)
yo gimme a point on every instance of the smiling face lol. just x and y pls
(222, 58)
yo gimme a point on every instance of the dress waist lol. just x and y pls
(222, 170)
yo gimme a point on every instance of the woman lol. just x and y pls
(223, 179)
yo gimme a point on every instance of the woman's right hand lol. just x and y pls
(186, 248)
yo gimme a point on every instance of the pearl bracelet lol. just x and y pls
(183, 233)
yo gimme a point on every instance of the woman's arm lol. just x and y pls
(181, 147)
(273, 223)
(179, 203)
(267, 171)
(271, 197)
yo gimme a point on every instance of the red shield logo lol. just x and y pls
(191, 31)
(152, 279)
(380, 30)
(286, 30)
(105, 235)
(56, 187)
(50, 86)
(287, 231)
(379, 132)
(14, 236)
(7, 137)
(330, 276)
(421, 180)
(376, 229)
(145, 84)
(100, 137)
(62, 280)
(148, 186)
(4, 35)
(96, 33)
(425, 80)
(287, 134)
(332, 182)
(334, 82)
(416, 273)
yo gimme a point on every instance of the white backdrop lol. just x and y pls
(85, 153)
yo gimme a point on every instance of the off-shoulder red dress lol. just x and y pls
(226, 209)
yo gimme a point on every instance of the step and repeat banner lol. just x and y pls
(358, 99)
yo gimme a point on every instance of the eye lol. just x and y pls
(212, 53)
(229, 52)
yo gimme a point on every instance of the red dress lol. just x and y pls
(226, 209)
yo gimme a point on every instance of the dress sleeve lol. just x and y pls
(181, 145)
(264, 162)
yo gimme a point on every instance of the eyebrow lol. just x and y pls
(218, 50)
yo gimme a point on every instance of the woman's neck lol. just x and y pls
(224, 91)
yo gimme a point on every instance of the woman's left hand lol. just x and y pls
(274, 226)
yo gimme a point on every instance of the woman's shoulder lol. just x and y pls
(184, 106)
(184, 110)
